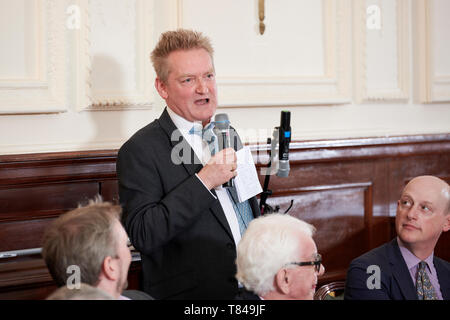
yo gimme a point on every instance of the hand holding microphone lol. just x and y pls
(221, 168)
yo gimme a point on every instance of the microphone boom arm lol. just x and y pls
(263, 206)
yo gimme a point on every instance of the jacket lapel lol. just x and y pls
(400, 272)
(443, 278)
(220, 216)
(190, 162)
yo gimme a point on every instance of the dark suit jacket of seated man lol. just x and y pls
(389, 271)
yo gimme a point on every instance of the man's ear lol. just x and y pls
(161, 87)
(110, 268)
(447, 223)
(282, 281)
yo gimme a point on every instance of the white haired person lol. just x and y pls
(277, 259)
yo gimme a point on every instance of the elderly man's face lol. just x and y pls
(421, 211)
(304, 278)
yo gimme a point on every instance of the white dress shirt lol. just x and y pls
(202, 152)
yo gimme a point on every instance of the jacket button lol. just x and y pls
(230, 246)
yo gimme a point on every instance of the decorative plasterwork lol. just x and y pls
(139, 98)
(429, 86)
(333, 87)
(45, 90)
(399, 92)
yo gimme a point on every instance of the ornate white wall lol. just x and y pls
(76, 75)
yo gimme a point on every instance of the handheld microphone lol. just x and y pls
(284, 140)
(222, 131)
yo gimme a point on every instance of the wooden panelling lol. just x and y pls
(348, 189)
(58, 167)
(36, 188)
(25, 202)
(110, 190)
(346, 228)
(18, 235)
(25, 278)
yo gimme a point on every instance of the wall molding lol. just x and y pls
(399, 93)
(430, 87)
(45, 92)
(333, 87)
(302, 152)
(142, 97)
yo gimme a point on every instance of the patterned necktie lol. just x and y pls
(425, 290)
(243, 211)
(208, 135)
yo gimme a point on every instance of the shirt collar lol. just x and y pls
(410, 259)
(183, 124)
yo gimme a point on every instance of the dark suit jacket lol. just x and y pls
(244, 294)
(180, 229)
(136, 295)
(396, 282)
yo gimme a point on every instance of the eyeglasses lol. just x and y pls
(316, 263)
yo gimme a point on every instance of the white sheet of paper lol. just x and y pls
(246, 181)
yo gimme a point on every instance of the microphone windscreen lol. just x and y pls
(285, 122)
(221, 121)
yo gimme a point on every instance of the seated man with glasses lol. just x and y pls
(277, 259)
(406, 267)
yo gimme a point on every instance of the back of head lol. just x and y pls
(171, 41)
(83, 292)
(82, 238)
(270, 242)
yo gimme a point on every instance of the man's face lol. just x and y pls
(190, 90)
(124, 256)
(304, 278)
(420, 217)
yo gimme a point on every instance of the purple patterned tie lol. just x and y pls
(425, 290)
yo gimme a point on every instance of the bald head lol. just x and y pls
(434, 187)
(423, 214)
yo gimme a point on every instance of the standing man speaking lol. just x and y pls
(185, 225)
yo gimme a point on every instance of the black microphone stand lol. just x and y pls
(264, 208)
